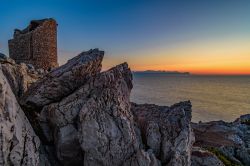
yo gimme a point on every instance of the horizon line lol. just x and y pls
(195, 74)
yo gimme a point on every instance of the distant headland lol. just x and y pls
(162, 72)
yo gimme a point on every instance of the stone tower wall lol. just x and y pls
(36, 45)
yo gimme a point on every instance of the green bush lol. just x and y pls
(226, 160)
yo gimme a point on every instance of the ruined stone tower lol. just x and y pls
(36, 44)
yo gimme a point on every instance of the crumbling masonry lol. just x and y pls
(36, 44)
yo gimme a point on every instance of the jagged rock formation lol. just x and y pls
(77, 115)
(36, 44)
(231, 140)
(64, 80)
(100, 114)
(167, 131)
(106, 122)
(85, 117)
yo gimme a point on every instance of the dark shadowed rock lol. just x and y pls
(142, 158)
(64, 80)
(68, 149)
(2, 57)
(243, 119)
(166, 130)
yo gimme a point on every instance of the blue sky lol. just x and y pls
(130, 30)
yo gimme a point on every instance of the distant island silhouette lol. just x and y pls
(162, 72)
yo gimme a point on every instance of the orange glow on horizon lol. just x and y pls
(204, 58)
(241, 67)
(226, 57)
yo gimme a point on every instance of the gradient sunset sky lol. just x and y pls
(198, 36)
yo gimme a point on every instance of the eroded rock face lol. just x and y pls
(19, 76)
(106, 129)
(201, 157)
(166, 130)
(19, 144)
(230, 139)
(63, 80)
(99, 114)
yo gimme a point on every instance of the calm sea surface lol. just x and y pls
(212, 97)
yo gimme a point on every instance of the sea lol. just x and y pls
(212, 97)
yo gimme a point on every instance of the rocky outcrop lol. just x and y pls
(77, 115)
(63, 80)
(99, 113)
(167, 131)
(231, 140)
(19, 144)
(201, 157)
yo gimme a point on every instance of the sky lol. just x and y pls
(197, 36)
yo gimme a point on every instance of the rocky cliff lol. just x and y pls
(78, 115)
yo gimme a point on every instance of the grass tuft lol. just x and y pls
(226, 160)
